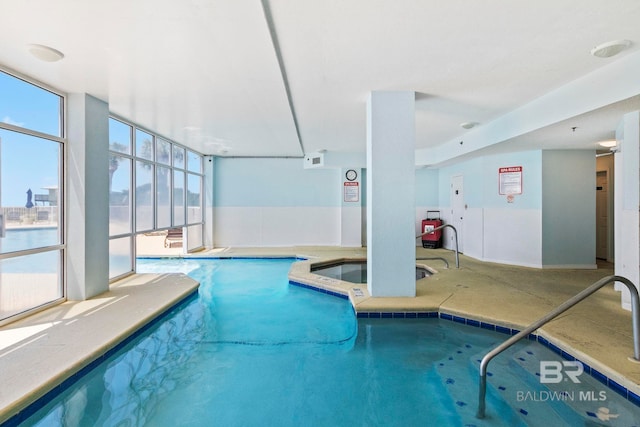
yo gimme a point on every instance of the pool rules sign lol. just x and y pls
(510, 181)
(351, 191)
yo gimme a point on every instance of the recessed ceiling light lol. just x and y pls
(608, 144)
(468, 125)
(609, 49)
(45, 53)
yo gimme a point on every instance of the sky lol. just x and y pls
(27, 162)
(32, 163)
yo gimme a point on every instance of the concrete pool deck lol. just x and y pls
(38, 352)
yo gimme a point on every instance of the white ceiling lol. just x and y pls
(279, 77)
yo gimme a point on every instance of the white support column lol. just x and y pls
(391, 245)
(627, 202)
(87, 213)
(351, 208)
(209, 186)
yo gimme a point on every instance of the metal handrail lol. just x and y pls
(455, 232)
(635, 319)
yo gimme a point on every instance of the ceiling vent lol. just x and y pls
(313, 160)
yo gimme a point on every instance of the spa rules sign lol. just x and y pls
(510, 180)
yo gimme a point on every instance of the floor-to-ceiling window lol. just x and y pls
(154, 185)
(32, 246)
(120, 200)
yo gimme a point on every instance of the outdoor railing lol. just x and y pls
(15, 216)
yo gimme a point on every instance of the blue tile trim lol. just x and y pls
(318, 289)
(21, 416)
(459, 319)
(503, 330)
(489, 326)
(618, 388)
(284, 257)
(474, 323)
(397, 315)
(599, 376)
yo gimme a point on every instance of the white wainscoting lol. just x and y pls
(277, 226)
(513, 236)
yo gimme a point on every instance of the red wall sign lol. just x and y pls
(351, 191)
(510, 180)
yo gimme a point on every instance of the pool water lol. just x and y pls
(28, 238)
(253, 350)
(354, 271)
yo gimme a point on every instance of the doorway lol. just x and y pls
(602, 215)
(457, 211)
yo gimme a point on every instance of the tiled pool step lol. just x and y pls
(602, 378)
(461, 387)
(516, 396)
(568, 392)
(608, 382)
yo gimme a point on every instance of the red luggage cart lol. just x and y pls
(432, 240)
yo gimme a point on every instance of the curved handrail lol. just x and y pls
(455, 232)
(635, 320)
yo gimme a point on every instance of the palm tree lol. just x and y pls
(114, 160)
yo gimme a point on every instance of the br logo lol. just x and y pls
(552, 372)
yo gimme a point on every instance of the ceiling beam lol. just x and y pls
(266, 8)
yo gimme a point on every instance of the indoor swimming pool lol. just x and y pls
(252, 349)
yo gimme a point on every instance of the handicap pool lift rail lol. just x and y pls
(635, 319)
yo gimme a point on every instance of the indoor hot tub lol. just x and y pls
(353, 271)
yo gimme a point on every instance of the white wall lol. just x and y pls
(495, 228)
(351, 212)
(550, 224)
(275, 202)
(627, 191)
(512, 237)
(276, 226)
(87, 211)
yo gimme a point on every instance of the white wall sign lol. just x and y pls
(351, 191)
(510, 180)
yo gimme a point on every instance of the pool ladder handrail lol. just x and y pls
(455, 233)
(635, 320)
